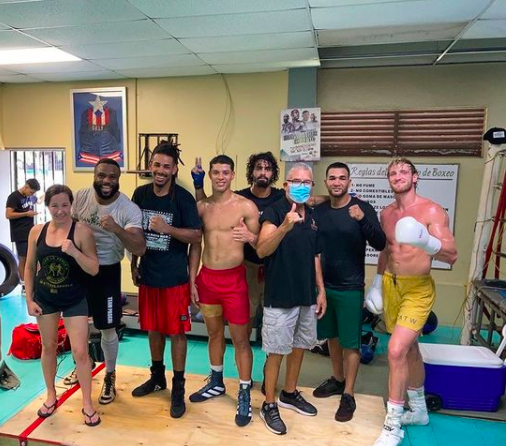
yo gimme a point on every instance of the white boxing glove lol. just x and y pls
(374, 295)
(414, 233)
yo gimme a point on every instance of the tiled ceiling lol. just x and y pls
(157, 38)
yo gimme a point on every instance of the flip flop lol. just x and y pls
(91, 423)
(50, 410)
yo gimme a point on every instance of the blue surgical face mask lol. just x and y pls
(299, 193)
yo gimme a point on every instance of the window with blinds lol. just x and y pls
(448, 132)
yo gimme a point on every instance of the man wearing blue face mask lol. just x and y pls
(288, 241)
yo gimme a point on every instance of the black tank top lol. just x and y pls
(60, 278)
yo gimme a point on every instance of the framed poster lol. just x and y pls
(300, 134)
(437, 182)
(98, 126)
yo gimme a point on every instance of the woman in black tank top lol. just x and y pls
(60, 252)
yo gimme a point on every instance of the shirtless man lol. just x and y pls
(417, 231)
(220, 290)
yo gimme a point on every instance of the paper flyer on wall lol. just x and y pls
(300, 134)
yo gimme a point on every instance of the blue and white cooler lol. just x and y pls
(463, 377)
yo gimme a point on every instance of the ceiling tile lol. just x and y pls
(259, 56)
(251, 42)
(237, 24)
(167, 72)
(486, 29)
(56, 67)
(397, 14)
(496, 11)
(17, 78)
(66, 12)
(78, 76)
(152, 61)
(186, 8)
(100, 33)
(126, 49)
(11, 40)
(390, 34)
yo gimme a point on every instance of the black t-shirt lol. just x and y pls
(344, 241)
(290, 277)
(262, 203)
(165, 263)
(20, 227)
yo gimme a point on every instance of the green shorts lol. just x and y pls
(343, 318)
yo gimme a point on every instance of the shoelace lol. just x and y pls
(109, 383)
(243, 401)
(299, 397)
(273, 413)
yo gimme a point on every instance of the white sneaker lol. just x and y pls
(390, 436)
(417, 413)
(416, 417)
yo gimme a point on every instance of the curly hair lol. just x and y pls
(267, 157)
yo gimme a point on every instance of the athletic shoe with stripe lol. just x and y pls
(72, 379)
(296, 402)
(270, 414)
(214, 387)
(243, 414)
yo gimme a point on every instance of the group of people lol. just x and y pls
(297, 256)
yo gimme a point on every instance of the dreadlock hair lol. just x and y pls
(172, 151)
(268, 157)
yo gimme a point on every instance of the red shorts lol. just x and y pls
(226, 288)
(165, 310)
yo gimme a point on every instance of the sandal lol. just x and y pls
(50, 410)
(89, 417)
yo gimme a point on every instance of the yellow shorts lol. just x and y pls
(407, 300)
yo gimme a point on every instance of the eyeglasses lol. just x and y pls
(300, 182)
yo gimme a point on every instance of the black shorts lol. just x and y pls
(104, 296)
(22, 248)
(80, 308)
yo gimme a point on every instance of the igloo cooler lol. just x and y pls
(462, 377)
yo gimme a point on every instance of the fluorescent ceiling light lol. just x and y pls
(35, 55)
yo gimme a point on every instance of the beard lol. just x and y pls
(98, 190)
(403, 188)
(263, 182)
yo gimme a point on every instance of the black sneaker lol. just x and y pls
(329, 387)
(177, 405)
(296, 402)
(108, 393)
(214, 387)
(243, 415)
(156, 382)
(346, 408)
(270, 414)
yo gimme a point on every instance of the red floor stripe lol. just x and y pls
(23, 436)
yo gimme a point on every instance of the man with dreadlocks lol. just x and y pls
(170, 222)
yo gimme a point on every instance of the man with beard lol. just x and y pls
(170, 222)
(417, 231)
(220, 289)
(346, 225)
(116, 223)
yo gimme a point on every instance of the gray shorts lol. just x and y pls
(286, 328)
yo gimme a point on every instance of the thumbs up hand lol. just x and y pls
(241, 233)
(291, 218)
